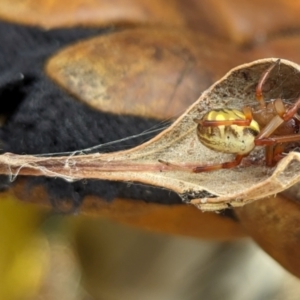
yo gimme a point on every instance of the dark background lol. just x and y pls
(39, 117)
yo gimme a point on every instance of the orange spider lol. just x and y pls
(238, 132)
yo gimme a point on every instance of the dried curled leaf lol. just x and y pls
(179, 145)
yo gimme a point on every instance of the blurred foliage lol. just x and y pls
(23, 251)
(47, 256)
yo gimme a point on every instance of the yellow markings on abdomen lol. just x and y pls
(228, 139)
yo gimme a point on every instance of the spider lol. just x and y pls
(238, 132)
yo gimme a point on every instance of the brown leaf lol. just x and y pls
(274, 224)
(179, 219)
(179, 145)
(287, 47)
(55, 13)
(244, 21)
(149, 72)
(240, 21)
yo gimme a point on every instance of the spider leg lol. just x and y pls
(240, 122)
(269, 155)
(274, 146)
(174, 167)
(278, 153)
(262, 80)
(274, 154)
(289, 114)
(269, 141)
(216, 123)
(270, 128)
(284, 115)
(225, 165)
(204, 168)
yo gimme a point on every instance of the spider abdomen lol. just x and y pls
(233, 139)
